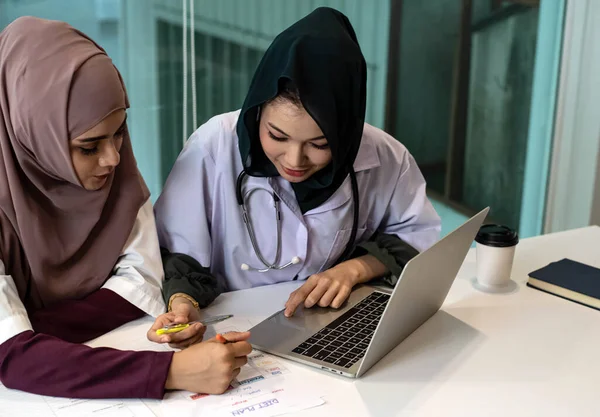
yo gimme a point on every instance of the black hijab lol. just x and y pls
(320, 55)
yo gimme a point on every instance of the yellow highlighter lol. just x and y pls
(174, 328)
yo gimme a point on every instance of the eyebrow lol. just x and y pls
(285, 134)
(101, 137)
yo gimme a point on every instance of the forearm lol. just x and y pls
(78, 321)
(363, 269)
(390, 251)
(45, 365)
(185, 275)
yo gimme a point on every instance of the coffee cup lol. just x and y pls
(495, 249)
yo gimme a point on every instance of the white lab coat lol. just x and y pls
(197, 213)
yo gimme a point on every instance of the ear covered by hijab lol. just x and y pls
(57, 239)
(321, 56)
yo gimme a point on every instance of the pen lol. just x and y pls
(174, 328)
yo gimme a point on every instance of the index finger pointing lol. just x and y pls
(298, 297)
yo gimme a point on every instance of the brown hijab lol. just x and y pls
(58, 240)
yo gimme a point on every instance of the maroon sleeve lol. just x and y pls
(43, 364)
(78, 321)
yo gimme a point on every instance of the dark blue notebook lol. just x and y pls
(569, 279)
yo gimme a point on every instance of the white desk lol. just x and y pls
(521, 354)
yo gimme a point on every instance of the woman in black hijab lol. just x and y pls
(352, 203)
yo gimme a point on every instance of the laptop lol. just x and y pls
(350, 340)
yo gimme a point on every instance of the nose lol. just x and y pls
(110, 156)
(295, 156)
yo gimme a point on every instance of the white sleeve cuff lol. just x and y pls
(147, 298)
(13, 316)
(13, 325)
(138, 274)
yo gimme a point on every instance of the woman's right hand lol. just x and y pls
(209, 367)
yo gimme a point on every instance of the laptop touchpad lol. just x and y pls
(279, 332)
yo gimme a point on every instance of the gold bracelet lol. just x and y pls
(187, 297)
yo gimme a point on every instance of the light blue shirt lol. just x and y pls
(198, 215)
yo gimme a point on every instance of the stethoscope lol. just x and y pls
(268, 266)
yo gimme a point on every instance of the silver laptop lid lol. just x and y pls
(421, 290)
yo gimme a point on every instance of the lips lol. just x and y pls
(295, 172)
(103, 176)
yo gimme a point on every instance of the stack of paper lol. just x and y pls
(18, 403)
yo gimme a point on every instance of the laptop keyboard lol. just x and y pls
(345, 340)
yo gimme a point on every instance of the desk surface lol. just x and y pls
(521, 354)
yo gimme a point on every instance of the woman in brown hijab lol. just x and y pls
(79, 254)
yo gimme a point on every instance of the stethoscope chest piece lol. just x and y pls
(268, 266)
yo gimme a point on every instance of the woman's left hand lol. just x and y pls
(182, 311)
